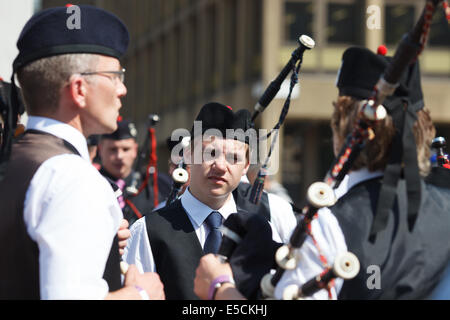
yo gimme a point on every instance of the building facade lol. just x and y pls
(184, 53)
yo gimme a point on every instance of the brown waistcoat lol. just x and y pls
(19, 263)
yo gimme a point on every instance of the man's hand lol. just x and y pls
(123, 234)
(149, 281)
(208, 269)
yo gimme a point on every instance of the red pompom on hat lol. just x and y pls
(382, 50)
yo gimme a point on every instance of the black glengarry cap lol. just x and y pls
(47, 34)
(214, 115)
(361, 69)
(125, 130)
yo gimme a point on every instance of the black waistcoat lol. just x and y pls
(175, 245)
(176, 250)
(19, 263)
(410, 263)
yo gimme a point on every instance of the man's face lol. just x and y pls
(118, 156)
(104, 91)
(224, 163)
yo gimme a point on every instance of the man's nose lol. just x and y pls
(220, 164)
(121, 89)
(119, 154)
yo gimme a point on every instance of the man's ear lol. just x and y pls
(247, 159)
(246, 168)
(77, 90)
(135, 148)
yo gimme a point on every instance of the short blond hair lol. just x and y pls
(42, 80)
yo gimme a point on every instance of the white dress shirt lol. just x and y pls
(330, 238)
(282, 217)
(71, 212)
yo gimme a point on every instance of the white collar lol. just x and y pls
(244, 179)
(355, 177)
(198, 211)
(61, 130)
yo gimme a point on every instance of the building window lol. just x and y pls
(210, 57)
(253, 42)
(230, 37)
(195, 83)
(298, 19)
(440, 30)
(399, 19)
(344, 21)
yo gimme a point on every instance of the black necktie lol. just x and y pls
(212, 243)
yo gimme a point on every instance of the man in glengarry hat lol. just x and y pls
(59, 216)
(118, 152)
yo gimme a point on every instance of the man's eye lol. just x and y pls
(233, 158)
(211, 153)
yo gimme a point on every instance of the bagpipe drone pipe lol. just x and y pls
(180, 175)
(150, 175)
